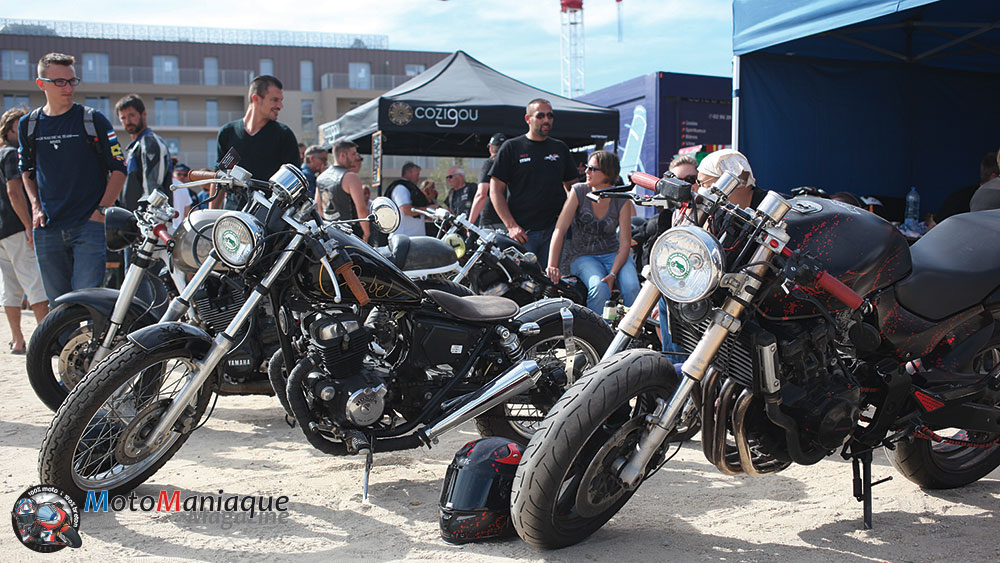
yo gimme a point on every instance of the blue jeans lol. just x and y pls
(70, 258)
(671, 349)
(592, 268)
(538, 242)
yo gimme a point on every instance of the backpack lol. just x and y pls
(88, 127)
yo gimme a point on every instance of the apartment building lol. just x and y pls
(193, 80)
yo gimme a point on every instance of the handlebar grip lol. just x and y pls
(195, 175)
(353, 283)
(161, 232)
(644, 180)
(836, 288)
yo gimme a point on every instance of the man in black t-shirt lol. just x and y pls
(537, 171)
(262, 143)
(482, 208)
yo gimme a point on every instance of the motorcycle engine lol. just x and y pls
(217, 303)
(344, 386)
(816, 390)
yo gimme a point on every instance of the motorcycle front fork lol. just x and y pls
(129, 288)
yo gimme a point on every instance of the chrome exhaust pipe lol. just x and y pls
(510, 383)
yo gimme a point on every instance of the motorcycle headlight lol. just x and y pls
(686, 263)
(456, 243)
(236, 238)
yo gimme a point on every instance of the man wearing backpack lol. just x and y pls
(73, 167)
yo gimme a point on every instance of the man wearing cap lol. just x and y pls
(537, 171)
(481, 204)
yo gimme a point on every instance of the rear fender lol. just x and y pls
(172, 336)
(100, 303)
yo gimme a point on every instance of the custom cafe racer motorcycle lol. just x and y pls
(813, 328)
(429, 362)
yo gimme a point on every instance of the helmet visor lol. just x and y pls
(469, 490)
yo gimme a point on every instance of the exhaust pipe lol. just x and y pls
(510, 383)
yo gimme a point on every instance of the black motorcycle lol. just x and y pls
(430, 362)
(788, 363)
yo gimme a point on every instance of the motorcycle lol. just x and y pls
(498, 265)
(788, 363)
(447, 359)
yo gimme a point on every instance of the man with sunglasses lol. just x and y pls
(536, 171)
(460, 194)
(70, 175)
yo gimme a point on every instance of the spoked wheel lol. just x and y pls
(519, 418)
(948, 463)
(567, 484)
(60, 353)
(98, 439)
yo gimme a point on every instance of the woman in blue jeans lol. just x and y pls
(603, 250)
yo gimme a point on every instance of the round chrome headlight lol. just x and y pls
(236, 238)
(686, 264)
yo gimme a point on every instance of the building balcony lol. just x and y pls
(183, 76)
(192, 118)
(345, 81)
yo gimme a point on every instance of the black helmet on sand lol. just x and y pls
(475, 499)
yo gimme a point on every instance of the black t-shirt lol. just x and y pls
(489, 215)
(260, 154)
(534, 172)
(9, 222)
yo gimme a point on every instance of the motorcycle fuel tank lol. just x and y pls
(859, 248)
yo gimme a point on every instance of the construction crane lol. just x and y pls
(571, 45)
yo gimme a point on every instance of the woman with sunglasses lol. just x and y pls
(602, 249)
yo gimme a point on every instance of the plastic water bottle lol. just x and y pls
(912, 217)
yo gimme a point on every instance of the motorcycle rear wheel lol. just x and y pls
(565, 488)
(60, 353)
(95, 430)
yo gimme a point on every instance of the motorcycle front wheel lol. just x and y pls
(566, 485)
(60, 353)
(519, 418)
(96, 440)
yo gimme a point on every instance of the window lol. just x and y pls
(306, 76)
(14, 65)
(103, 105)
(308, 122)
(165, 111)
(211, 71)
(266, 67)
(413, 70)
(360, 76)
(211, 152)
(212, 113)
(174, 146)
(94, 67)
(165, 70)
(11, 101)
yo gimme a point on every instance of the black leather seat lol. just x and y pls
(397, 251)
(955, 266)
(477, 308)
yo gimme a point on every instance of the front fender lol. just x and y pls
(172, 336)
(100, 303)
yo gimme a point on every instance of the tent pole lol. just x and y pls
(377, 162)
(736, 103)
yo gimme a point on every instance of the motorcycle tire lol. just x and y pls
(71, 538)
(65, 333)
(591, 335)
(83, 438)
(566, 487)
(937, 465)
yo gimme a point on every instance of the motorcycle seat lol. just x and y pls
(397, 251)
(418, 253)
(477, 308)
(955, 266)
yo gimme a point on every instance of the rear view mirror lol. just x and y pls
(386, 214)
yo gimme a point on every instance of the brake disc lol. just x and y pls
(75, 357)
(600, 486)
(132, 447)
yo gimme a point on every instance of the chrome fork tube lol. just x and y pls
(469, 264)
(221, 346)
(179, 305)
(630, 325)
(130, 286)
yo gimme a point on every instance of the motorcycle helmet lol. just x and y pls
(475, 499)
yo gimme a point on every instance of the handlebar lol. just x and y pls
(161, 232)
(353, 283)
(833, 286)
(644, 180)
(196, 175)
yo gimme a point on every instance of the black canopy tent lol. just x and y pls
(453, 108)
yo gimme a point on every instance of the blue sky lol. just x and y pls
(519, 38)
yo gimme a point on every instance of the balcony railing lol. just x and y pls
(370, 82)
(184, 76)
(194, 118)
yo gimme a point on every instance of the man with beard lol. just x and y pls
(339, 193)
(147, 159)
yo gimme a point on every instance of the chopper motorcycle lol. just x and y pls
(447, 359)
(788, 363)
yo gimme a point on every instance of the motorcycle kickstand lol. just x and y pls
(862, 463)
(368, 471)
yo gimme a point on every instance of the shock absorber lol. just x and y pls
(510, 344)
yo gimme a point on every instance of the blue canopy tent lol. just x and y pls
(867, 96)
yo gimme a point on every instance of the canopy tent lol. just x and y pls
(454, 107)
(868, 96)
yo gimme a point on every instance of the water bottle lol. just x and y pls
(912, 217)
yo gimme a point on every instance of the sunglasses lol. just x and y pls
(541, 115)
(590, 168)
(449, 177)
(61, 82)
(692, 179)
